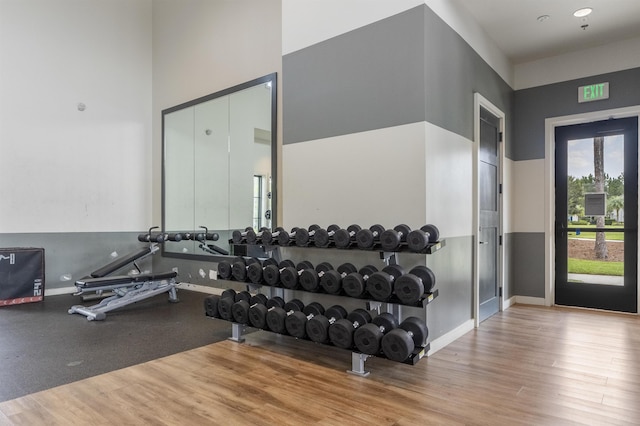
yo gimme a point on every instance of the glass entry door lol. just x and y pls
(596, 235)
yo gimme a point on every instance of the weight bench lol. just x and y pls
(126, 290)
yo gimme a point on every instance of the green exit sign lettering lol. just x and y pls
(593, 92)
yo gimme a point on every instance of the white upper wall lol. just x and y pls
(201, 47)
(612, 57)
(307, 22)
(65, 170)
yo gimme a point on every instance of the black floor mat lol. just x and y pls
(42, 346)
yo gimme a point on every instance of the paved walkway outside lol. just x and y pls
(597, 279)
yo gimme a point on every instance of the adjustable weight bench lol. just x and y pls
(126, 290)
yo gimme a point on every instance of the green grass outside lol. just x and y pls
(595, 267)
(613, 236)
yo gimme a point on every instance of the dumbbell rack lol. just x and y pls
(393, 306)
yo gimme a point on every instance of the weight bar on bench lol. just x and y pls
(285, 238)
(258, 312)
(380, 284)
(323, 237)
(368, 338)
(255, 270)
(343, 238)
(331, 280)
(276, 316)
(310, 278)
(271, 273)
(296, 323)
(290, 276)
(410, 287)
(303, 236)
(366, 238)
(355, 283)
(317, 328)
(399, 344)
(391, 239)
(240, 309)
(341, 331)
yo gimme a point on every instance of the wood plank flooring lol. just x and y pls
(528, 365)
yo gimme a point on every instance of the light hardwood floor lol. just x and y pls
(527, 365)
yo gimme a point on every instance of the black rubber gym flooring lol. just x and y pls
(42, 346)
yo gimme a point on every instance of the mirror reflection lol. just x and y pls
(218, 166)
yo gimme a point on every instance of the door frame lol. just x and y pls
(549, 172)
(481, 101)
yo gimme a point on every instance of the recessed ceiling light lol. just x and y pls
(543, 18)
(581, 13)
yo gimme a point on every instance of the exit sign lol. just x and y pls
(593, 92)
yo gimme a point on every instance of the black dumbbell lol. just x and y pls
(391, 239)
(331, 280)
(355, 283)
(367, 238)
(268, 236)
(303, 236)
(240, 309)
(255, 270)
(310, 278)
(317, 328)
(323, 237)
(419, 239)
(290, 276)
(226, 301)
(296, 323)
(211, 306)
(380, 284)
(258, 312)
(239, 267)
(285, 238)
(271, 273)
(343, 238)
(399, 344)
(368, 338)
(341, 331)
(253, 237)
(410, 287)
(276, 315)
(239, 237)
(225, 270)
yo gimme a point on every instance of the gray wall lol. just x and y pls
(407, 68)
(532, 106)
(77, 254)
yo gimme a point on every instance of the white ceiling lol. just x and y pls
(514, 26)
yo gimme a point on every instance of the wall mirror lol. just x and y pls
(219, 166)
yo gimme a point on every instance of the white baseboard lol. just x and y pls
(527, 300)
(507, 303)
(451, 336)
(200, 288)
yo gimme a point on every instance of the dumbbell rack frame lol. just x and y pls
(358, 359)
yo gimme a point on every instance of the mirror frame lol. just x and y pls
(269, 78)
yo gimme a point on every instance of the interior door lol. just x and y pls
(596, 237)
(489, 199)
